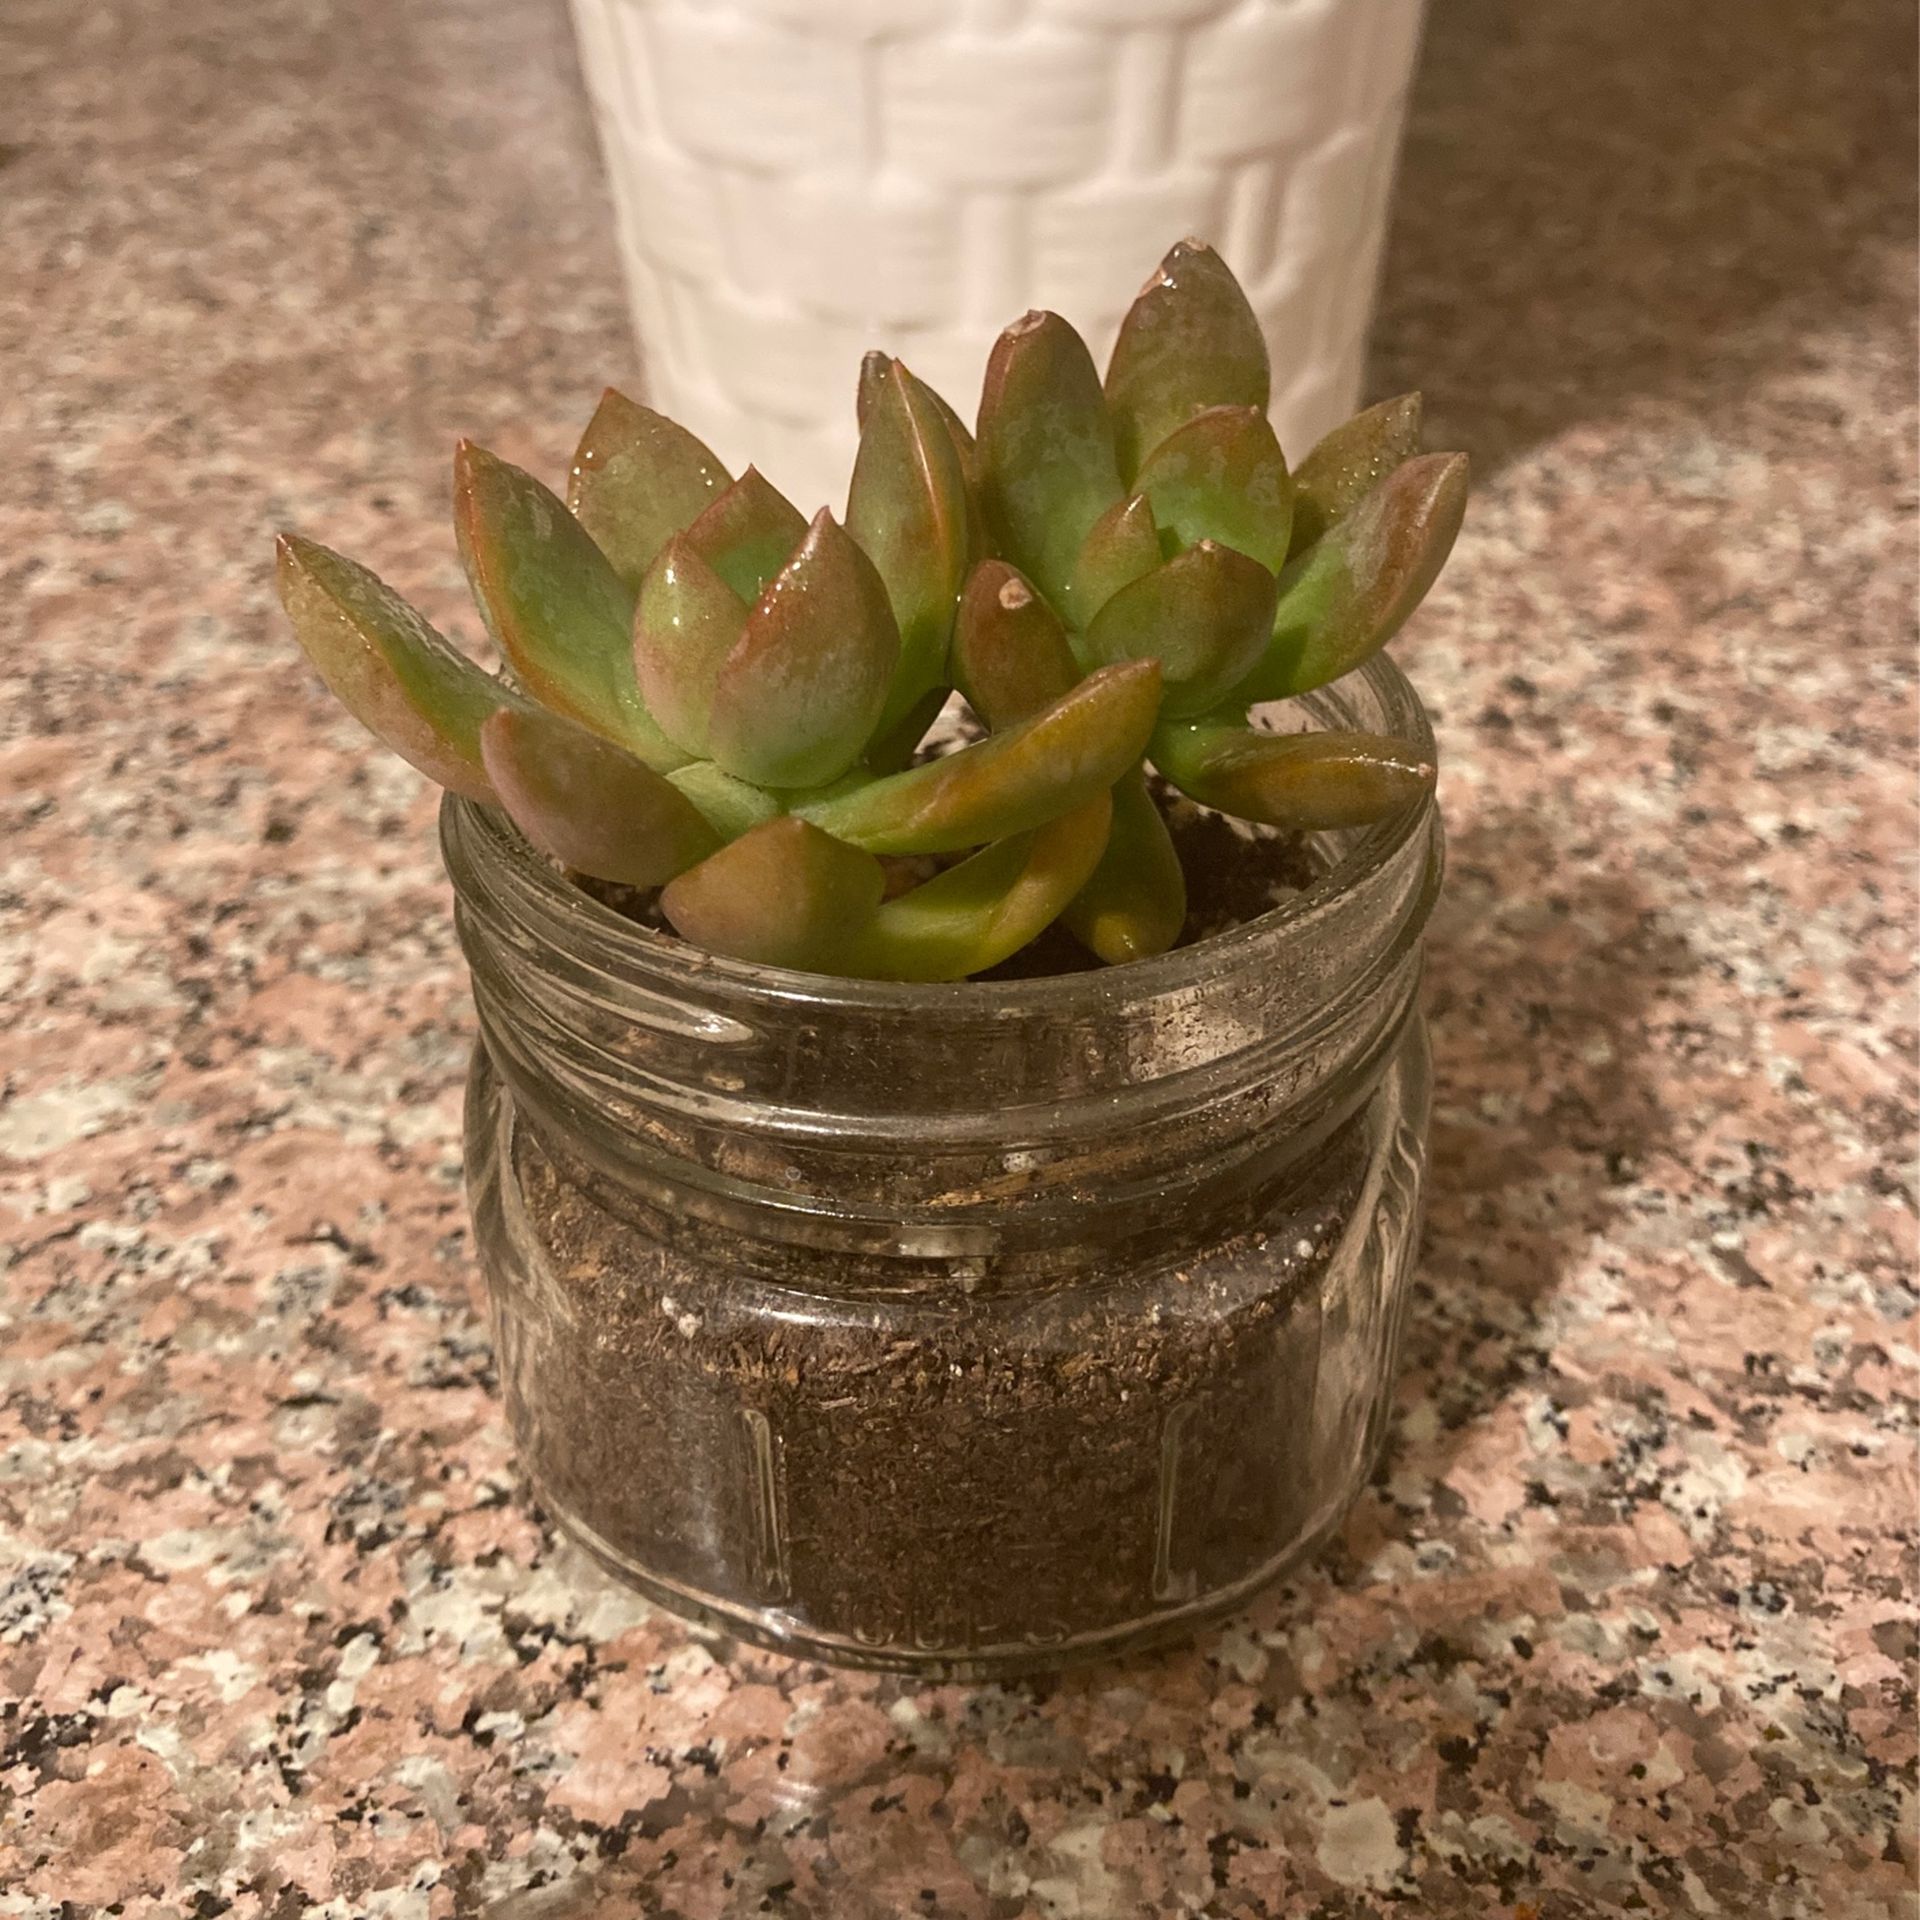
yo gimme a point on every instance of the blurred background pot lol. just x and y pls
(799, 180)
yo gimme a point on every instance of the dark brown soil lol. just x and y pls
(952, 1471)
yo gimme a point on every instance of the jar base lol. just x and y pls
(778, 1632)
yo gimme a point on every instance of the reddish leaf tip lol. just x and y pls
(472, 464)
(1190, 248)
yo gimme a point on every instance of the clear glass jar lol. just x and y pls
(969, 1328)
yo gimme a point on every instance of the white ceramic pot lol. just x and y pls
(799, 180)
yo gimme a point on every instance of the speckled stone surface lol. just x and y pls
(1626, 1623)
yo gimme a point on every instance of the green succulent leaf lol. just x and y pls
(731, 807)
(1349, 463)
(1010, 653)
(784, 894)
(1343, 599)
(748, 534)
(686, 623)
(801, 692)
(987, 908)
(787, 894)
(893, 747)
(1205, 616)
(399, 678)
(589, 804)
(637, 479)
(1010, 782)
(875, 371)
(1122, 546)
(1189, 341)
(1135, 902)
(1011, 660)
(876, 368)
(907, 509)
(1222, 477)
(552, 602)
(1312, 781)
(1047, 466)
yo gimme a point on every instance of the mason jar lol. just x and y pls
(967, 1328)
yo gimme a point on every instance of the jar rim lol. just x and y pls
(600, 936)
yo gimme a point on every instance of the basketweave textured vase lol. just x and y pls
(799, 180)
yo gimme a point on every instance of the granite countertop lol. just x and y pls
(1625, 1623)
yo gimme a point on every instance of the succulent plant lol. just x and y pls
(1152, 515)
(707, 693)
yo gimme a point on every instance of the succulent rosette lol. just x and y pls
(707, 693)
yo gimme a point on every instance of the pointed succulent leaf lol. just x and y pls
(637, 479)
(1205, 616)
(1349, 463)
(589, 804)
(1223, 477)
(987, 908)
(1047, 466)
(802, 690)
(1011, 659)
(1343, 599)
(748, 534)
(731, 807)
(399, 678)
(1010, 652)
(907, 510)
(1135, 902)
(1009, 782)
(1189, 341)
(686, 623)
(893, 747)
(784, 895)
(1311, 781)
(875, 370)
(1121, 547)
(552, 602)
